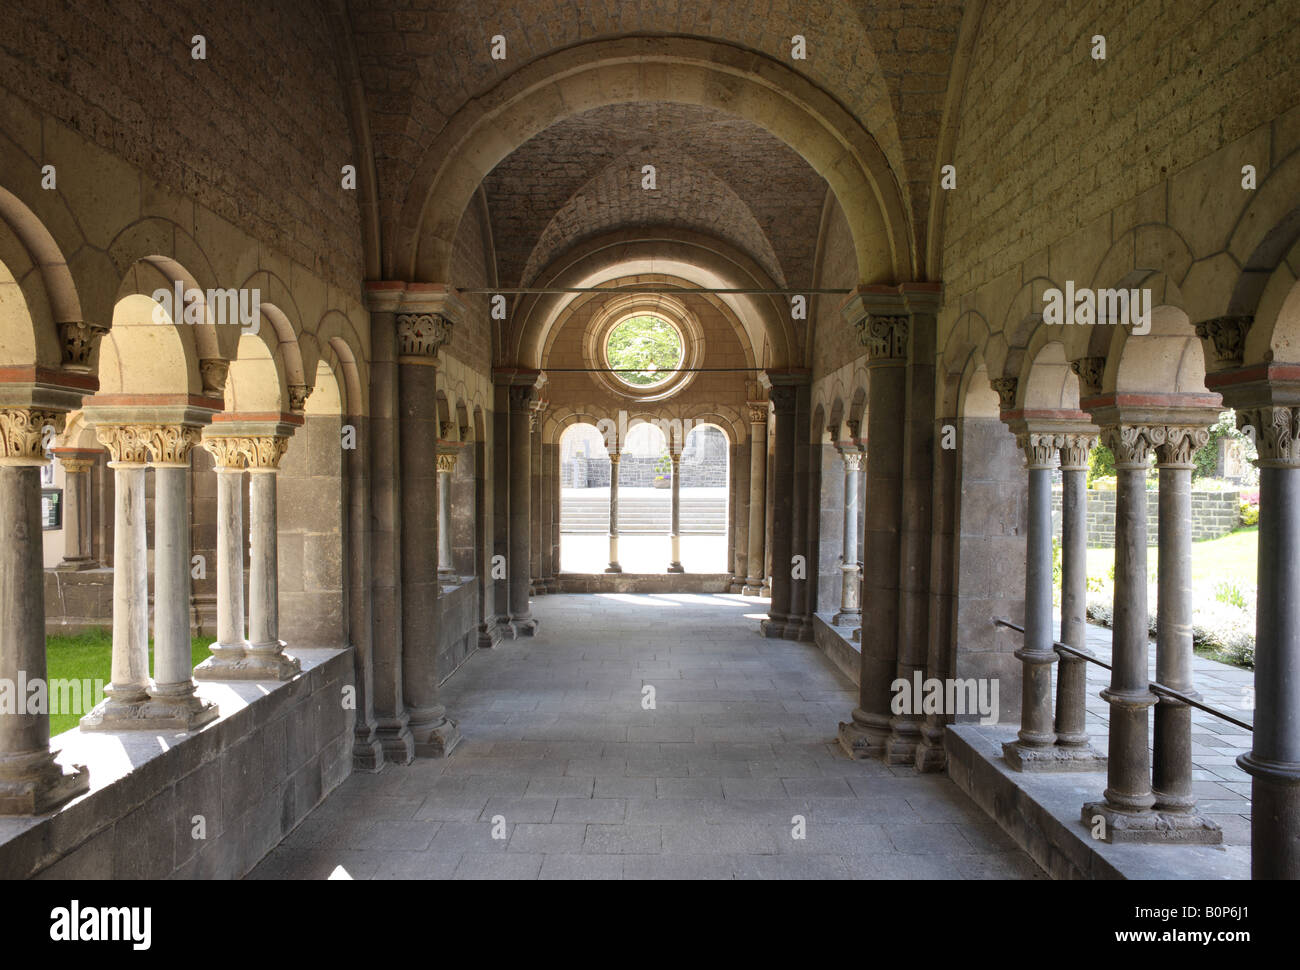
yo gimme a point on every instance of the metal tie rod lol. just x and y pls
(1154, 686)
(647, 288)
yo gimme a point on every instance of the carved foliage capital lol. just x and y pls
(225, 449)
(1074, 448)
(523, 397)
(77, 340)
(757, 412)
(1226, 337)
(170, 444)
(885, 337)
(784, 398)
(1132, 443)
(1089, 370)
(127, 444)
(447, 461)
(263, 452)
(853, 460)
(1277, 433)
(422, 334)
(1179, 445)
(1006, 391)
(24, 434)
(1040, 449)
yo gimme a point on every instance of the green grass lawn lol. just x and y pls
(89, 656)
(1231, 557)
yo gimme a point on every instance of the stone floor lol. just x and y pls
(582, 782)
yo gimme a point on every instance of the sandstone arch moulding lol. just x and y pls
(698, 259)
(741, 83)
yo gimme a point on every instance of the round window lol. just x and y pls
(644, 350)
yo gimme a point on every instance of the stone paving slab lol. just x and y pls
(579, 782)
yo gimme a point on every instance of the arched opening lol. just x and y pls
(584, 499)
(705, 508)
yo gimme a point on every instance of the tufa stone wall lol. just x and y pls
(1214, 514)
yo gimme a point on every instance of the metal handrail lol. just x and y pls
(1154, 686)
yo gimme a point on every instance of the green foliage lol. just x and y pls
(1206, 459)
(1101, 464)
(663, 466)
(646, 349)
(1057, 568)
(1226, 591)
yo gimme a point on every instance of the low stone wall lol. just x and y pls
(1214, 514)
(275, 752)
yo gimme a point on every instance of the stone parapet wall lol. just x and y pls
(252, 776)
(1214, 514)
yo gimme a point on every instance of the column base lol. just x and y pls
(525, 626)
(1151, 827)
(752, 587)
(435, 740)
(862, 739)
(36, 784)
(904, 738)
(394, 737)
(847, 618)
(76, 565)
(737, 585)
(367, 752)
(765, 590)
(930, 754)
(252, 662)
(676, 567)
(773, 627)
(154, 713)
(613, 568)
(1052, 757)
(490, 635)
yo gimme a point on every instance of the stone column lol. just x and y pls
(265, 657)
(1037, 735)
(172, 698)
(784, 398)
(1274, 759)
(885, 335)
(78, 549)
(757, 497)
(227, 660)
(1126, 810)
(420, 338)
(1171, 779)
(676, 536)
(850, 612)
(31, 781)
(127, 694)
(446, 465)
(523, 402)
(1072, 748)
(613, 566)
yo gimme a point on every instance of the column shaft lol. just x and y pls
(1171, 778)
(613, 566)
(850, 612)
(675, 566)
(522, 400)
(783, 399)
(757, 498)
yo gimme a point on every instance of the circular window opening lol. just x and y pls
(644, 350)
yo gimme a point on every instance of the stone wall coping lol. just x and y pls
(129, 768)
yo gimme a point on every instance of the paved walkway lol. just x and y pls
(584, 783)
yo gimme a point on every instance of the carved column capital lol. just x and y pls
(170, 444)
(1005, 387)
(127, 444)
(1040, 449)
(757, 412)
(1225, 339)
(1074, 448)
(422, 335)
(523, 397)
(1132, 443)
(1089, 370)
(213, 372)
(445, 430)
(852, 460)
(225, 449)
(446, 462)
(1179, 445)
(884, 336)
(76, 465)
(263, 452)
(77, 341)
(24, 433)
(298, 394)
(784, 398)
(1277, 434)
